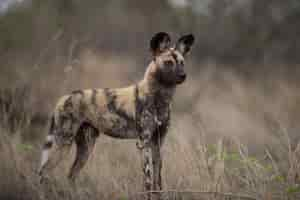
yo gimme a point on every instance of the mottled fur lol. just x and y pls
(140, 111)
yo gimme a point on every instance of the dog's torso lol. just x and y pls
(121, 113)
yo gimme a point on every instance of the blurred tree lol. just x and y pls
(227, 30)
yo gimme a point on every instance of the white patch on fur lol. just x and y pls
(45, 157)
(49, 138)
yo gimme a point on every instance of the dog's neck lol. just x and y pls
(152, 89)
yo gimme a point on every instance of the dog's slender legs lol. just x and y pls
(151, 165)
(157, 166)
(147, 166)
(85, 142)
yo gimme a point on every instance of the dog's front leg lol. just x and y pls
(147, 160)
(146, 147)
(157, 165)
(152, 164)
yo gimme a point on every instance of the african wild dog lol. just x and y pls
(140, 111)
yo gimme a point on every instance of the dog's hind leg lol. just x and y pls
(52, 154)
(57, 145)
(85, 141)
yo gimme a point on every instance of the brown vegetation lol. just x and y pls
(228, 135)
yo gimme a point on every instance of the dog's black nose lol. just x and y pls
(182, 76)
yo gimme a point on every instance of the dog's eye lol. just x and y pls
(168, 63)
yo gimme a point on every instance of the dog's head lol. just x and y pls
(169, 61)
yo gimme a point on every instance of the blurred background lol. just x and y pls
(236, 117)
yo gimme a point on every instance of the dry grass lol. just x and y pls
(208, 171)
(230, 138)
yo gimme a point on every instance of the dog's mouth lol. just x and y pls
(181, 79)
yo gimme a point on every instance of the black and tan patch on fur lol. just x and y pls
(77, 92)
(138, 108)
(94, 97)
(175, 57)
(68, 103)
(119, 126)
(87, 128)
(52, 126)
(111, 104)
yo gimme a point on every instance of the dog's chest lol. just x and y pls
(152, 115)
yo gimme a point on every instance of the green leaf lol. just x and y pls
(279, 178)
(293, 189)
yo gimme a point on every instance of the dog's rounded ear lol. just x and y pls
(160, 42)
(184, 44)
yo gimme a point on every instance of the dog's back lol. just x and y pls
(110, 111)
